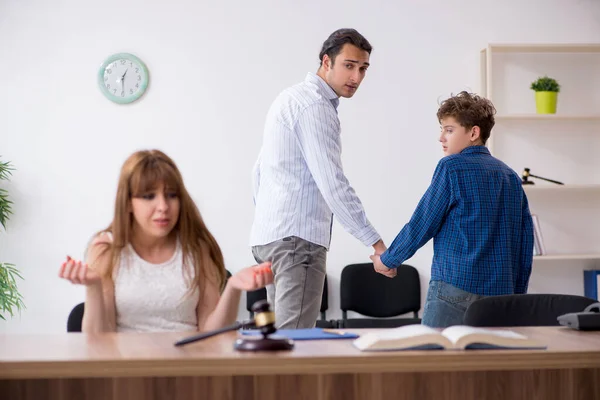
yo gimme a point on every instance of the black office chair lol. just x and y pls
(75, 318)
(227, 276)
(323, 322)
(261, 294)
(366, 292)
(254, 296)
(523, 309)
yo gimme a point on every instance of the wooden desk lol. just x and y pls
(148, 366)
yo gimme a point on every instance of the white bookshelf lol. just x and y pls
(543, 48)
(562, 146)
(553, 188)
(555, 257)
(548, 117)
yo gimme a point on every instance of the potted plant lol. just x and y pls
(546, 94)
(10, 298)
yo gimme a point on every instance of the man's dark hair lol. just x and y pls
(334, 43)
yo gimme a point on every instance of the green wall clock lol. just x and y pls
(123, 78)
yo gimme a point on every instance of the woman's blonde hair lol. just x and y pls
(143, 171)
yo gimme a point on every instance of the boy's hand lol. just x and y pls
(381, 268)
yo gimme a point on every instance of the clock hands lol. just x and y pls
(123, 80)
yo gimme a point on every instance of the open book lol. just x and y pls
(421, 337)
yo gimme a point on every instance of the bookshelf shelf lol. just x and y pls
(549, 257)
(543, 48)
(548, 188)
(547, 117)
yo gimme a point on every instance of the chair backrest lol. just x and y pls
(254, 296)
(371, 294)
(227, 276)
(75, 318)
(324, 298)
(523, 309)
(261, 294)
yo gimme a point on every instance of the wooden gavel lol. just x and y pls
(525, 178)
(264, 321)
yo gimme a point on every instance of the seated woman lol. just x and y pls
(156, 267)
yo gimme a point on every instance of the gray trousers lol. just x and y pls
(299, 274)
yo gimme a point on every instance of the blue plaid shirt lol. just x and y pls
(478, 216)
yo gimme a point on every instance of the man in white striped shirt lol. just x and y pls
(299, 183)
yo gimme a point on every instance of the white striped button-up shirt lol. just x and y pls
(299, 183)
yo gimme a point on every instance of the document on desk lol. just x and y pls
(306, 334)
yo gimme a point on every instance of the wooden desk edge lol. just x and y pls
(404, 362)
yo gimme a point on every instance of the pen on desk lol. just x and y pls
(205, 335)
(333, 331)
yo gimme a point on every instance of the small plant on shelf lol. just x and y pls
(546, 94)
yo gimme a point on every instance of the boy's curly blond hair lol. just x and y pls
(469, 110)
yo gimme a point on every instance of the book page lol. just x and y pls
(464, 337)
(406, 331)
(404, 337)
(455, 333)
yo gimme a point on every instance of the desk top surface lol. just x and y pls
(153, 354)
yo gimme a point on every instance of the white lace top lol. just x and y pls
(153, 297)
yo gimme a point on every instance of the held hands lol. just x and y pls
(252, 278)
(379, 247)
(78, 272)
(381, 268)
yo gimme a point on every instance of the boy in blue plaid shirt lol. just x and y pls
(477, 214)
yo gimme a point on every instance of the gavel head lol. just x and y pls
(264, 318)
(525, 177)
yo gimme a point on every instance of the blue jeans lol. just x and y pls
(446, 305)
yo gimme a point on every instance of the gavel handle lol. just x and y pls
(546, 179)
(206, 335)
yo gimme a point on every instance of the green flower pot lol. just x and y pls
(545, 102)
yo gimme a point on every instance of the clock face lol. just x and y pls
(123, 78)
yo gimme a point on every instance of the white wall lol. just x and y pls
(214, 71)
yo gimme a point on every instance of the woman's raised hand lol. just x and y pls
(252, 278)
(78, 272)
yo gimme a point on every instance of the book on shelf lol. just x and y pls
(539, 249)
(591, 283)
(459, 337)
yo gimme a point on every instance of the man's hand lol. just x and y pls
(381, 268)
(379, 247)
